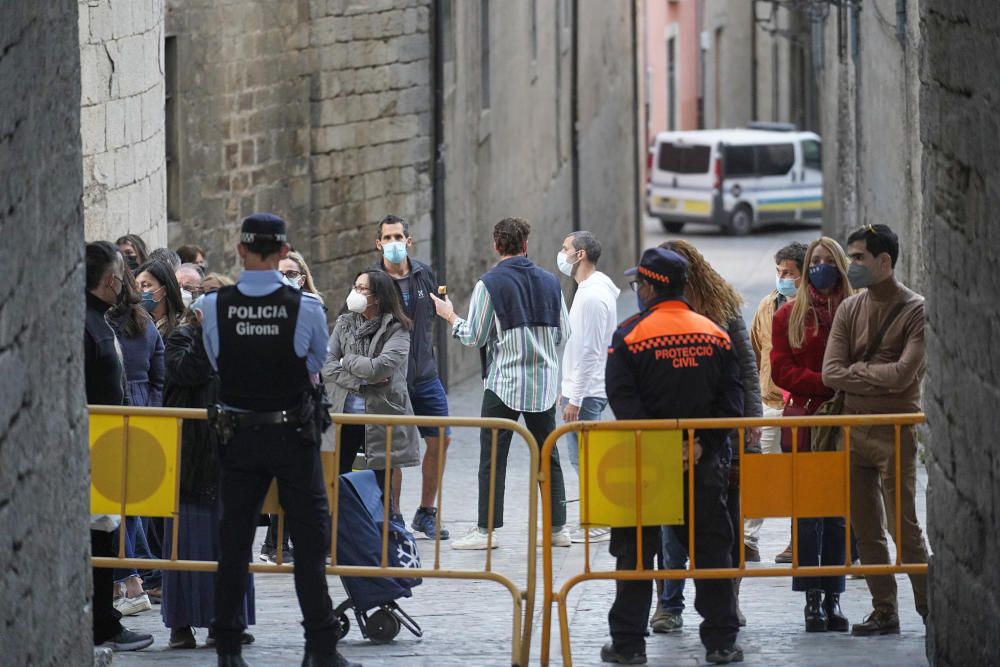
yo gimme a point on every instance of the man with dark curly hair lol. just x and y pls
(517, 318)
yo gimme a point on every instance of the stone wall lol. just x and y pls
(370, 149)
(44, 544)
(870, 115)
(241, 123)
(960, 137)
(121, 119)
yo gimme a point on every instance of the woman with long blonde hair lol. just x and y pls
(711, 295)
(799, 335)
(295, 269)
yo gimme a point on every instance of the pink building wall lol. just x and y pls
(679, 21)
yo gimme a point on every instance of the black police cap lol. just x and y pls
(263, 227)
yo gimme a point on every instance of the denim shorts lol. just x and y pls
(429, 400)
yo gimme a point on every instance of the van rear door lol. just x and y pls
(682, 182)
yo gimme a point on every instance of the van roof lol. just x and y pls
(738, 136)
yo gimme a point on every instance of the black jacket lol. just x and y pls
(192, 383)
(422, 364)
(103, 369)
(668, 362)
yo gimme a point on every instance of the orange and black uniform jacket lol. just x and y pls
(669, 362)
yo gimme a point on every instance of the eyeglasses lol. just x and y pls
(292, 274)
(194, 290)
(362, 289)
(635, 284)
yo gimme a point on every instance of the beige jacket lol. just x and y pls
(760, 338)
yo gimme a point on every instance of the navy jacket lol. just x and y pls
(105, 376)
(422, 363)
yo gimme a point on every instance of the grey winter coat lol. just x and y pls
(380, 376)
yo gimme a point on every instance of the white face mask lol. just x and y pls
(186, 298)
(564, 264)
(356, 302)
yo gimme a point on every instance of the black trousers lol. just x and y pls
(352, 441)
(107, 620)
(715, 599)
(540, 425)
(249, 462)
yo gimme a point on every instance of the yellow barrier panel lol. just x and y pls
(795, 485)
(607, 491)
(125, 427)
(147, 447)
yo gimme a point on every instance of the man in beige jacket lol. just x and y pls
(888, 383)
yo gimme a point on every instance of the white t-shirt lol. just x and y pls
(593, 319)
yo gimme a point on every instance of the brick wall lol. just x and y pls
(371, 131)
(121, 119)
(44, 543)
(960, 135)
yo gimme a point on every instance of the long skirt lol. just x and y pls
(189, 597)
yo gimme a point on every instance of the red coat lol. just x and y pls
(799, 370)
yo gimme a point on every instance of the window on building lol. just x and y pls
(484, 48)
(671, 83)
(170, 128)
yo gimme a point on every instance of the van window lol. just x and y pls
(739, 161)
(775, 159)
(812, 156)
(766, 160)
(683, 159)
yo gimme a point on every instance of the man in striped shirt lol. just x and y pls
(517, 319)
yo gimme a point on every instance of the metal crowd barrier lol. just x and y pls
(122, 435)
(771, 485)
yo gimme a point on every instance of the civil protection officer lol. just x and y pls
(668, 362)
(268, 343)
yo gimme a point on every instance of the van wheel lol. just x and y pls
(671, 227)
(740, 222)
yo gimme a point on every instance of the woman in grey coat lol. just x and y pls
(365, 373)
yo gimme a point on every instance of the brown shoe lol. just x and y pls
(785, 556)
(877, 623)
(751, 554)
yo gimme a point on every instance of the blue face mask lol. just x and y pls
(786, 287)
(148, 302)
(394, 252)
(823, 276)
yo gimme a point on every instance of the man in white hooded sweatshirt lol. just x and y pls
(593, 318)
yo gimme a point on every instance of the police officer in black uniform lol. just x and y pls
(268, 344)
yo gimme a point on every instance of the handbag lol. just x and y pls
(792, 410)
(827, 438)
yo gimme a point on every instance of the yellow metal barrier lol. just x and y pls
(120, 434)
(795, 485)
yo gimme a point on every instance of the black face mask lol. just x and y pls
(132, 262)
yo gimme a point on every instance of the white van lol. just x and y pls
(735, 178)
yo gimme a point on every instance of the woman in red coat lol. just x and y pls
(799, 334)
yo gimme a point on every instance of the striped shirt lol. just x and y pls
(523, 364)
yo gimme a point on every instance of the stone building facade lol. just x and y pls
(324, 112)
(959, 137)
(121, 119)
(45, 579)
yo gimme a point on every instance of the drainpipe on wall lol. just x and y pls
(438, 231)
(574, 112)
(639, 157)
(753, 64)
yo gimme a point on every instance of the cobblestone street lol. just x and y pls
(468, 623)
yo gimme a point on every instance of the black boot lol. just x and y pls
(815, 616)
(835, 619)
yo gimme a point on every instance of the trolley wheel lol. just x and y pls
(383, 626)
(345, 625)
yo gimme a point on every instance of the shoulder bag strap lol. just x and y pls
(877, 340)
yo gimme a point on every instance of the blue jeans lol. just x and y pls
(673, 556)
(591, 409)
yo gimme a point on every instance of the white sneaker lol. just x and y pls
(475, 540)
(561, 537)
(578, 536)
(127, 606)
